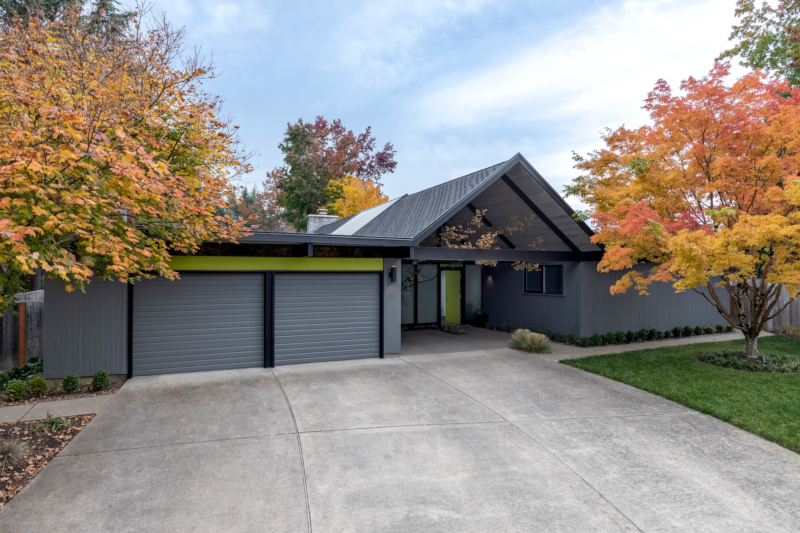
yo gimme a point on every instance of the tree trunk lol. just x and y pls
(751, 346)
(36, 281)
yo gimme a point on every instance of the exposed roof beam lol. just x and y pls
(533, 207)
(471, 254)
(489, 224)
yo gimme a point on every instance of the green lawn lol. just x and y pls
(765, 404)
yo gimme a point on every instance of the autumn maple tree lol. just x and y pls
(708, 195)
(317, 156)
(351, 195)
(111, 154)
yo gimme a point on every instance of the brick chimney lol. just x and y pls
(314, 222)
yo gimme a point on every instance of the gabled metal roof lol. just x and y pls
(415, 216)
(412, 214)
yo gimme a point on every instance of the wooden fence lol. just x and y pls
(790, 315)
(21, 332)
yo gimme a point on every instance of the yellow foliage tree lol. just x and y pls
(709, 193)
(352, 195)
(111, 155)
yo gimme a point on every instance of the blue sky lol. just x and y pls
(455, 85)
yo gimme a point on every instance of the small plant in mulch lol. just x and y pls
(25, 451)
(70, 383)
(37, 385)
(100, 381)
(454, 329)
(736, 359)
(54, 423)
(16, 390)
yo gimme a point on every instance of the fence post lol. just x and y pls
(21, 333)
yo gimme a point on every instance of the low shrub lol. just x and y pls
(70, 383)
(728, 327)
(528, 341)
(688, 331)
(720, 328)
(100, 380)
(789, 329)
(667, 334)
(708, 330)
(630, 336)
(677, 332)
(736, 359)
(558, 337)
(641, 335)
(585, 342)
(508, 327)
(480, 318)
(548, 333)
(16, 390)
(652, 334)
(37, 385)
(597, 340)
(12, 450)
(571, 338)
(698, 330)
(610, 338)
(619, 337)
(32, 368)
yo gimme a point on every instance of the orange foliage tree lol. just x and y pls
(351, 196)
(111, 155)
(708, 193)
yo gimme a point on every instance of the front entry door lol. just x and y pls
(452, 296)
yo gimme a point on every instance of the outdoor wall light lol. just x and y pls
(393, 274)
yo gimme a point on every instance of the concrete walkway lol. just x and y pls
(458, 434)
(41, 410)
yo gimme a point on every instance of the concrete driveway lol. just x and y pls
(460, 434)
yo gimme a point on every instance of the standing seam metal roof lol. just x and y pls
(413, 213)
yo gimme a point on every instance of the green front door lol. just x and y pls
(452, 296)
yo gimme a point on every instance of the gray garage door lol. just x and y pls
(201, 322)
(326, 317)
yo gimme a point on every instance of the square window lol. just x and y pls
(553, 279)
(534, 281)
(549, 279)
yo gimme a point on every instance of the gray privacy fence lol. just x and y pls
(21, 332)
(789, 316)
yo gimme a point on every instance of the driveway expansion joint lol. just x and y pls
(553, 455)
(299, 447)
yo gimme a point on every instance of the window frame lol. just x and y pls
(542, 268)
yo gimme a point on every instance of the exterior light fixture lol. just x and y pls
(393, 274)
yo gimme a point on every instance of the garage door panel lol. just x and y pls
(200, 322)
(326, 317)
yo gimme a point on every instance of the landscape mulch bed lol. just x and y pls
(83, 392)
(41, 446)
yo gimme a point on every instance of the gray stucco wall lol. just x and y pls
(391, 307)
(662, 309)
(85, 332)
(587, 306)
(505, 300)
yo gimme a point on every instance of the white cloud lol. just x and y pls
(596, 72)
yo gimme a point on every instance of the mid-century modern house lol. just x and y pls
(347, 288)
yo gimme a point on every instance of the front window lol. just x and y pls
(549, 279)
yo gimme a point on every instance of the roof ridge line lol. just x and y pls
(458, 178)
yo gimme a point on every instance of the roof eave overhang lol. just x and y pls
(321, 239)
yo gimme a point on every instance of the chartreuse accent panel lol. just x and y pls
(200, 263)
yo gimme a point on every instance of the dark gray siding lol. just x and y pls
(505, 300)
(588, 307)
(391, 307)
(85, 332)
(200, 322)
(327, 317)
(663, 309)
